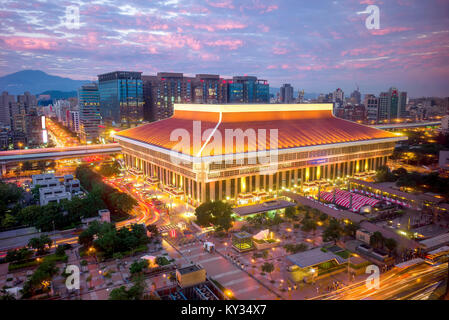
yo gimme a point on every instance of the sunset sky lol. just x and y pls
(317, 45)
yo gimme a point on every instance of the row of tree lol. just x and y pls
(63, 215)
(10, 196)
(106, 239)
(118, 203)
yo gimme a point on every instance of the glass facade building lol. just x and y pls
(121, 98)
(248, 89)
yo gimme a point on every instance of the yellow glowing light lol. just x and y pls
(243, 184)
(228, 293)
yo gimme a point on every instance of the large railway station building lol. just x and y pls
(308, 142)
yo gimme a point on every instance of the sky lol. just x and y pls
(315, 45)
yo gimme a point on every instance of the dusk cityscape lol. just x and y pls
(239, 150)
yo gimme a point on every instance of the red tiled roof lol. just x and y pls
(295, 129)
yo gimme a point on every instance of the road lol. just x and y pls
(415, 283)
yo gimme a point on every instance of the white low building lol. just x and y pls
(53, 194)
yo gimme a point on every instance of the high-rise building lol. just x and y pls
(89, 113)
(163, 90)
(356, 97)
(8, 107)
(62, 111)
(286, 93)
(338, 96)
(209, 89)
(403, 101)
(300, 96)
(254, 90)
(121, 98)
(26, 102)
(390, 104)
(74, 121)
(371, 103)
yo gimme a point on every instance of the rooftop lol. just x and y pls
(313, 257)
(189, 269)
(434, 242)
(297, 125)
(262, 207)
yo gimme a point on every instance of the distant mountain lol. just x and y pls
(56, 95)
(36, 82)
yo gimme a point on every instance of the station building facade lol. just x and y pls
(311, 144)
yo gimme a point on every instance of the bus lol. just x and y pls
(439, 255)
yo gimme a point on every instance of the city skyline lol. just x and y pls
(314, 47)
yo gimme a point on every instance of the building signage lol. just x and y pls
(317, 161)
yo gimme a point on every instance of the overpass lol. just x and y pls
(407, 125)
(14, 156)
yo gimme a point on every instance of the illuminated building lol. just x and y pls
(89, 112)
(286, 93)
(121, 98)
(311, 145)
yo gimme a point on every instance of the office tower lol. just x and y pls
(8, 107)
(235, 92)
(403, 101)
(160, 92)
(26, 102)
(62, 111)
(389, 104)
(89, 113)
(286, 93)
(254, 90)
(356, 97)
(121, 98)
(371, 103)
(165, 89)
(209, 89)
(300, 96)
(338, 96)
(74, 121)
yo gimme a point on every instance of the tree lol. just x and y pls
(377, 240)
(134, 293)
(333, 231)
(40, 279)
(16, 255)
(290, 212)
(40, 244)
(308, 225)
(109, 170)
(390, 244)
(383, 174)
(138, 267)
(350, 229)
(217, 213)
(153, 230)
(268, 268)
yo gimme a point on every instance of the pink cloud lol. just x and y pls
(231, 44)
(20, 43)
(221, 4)
(385, 31)
(280, 51)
